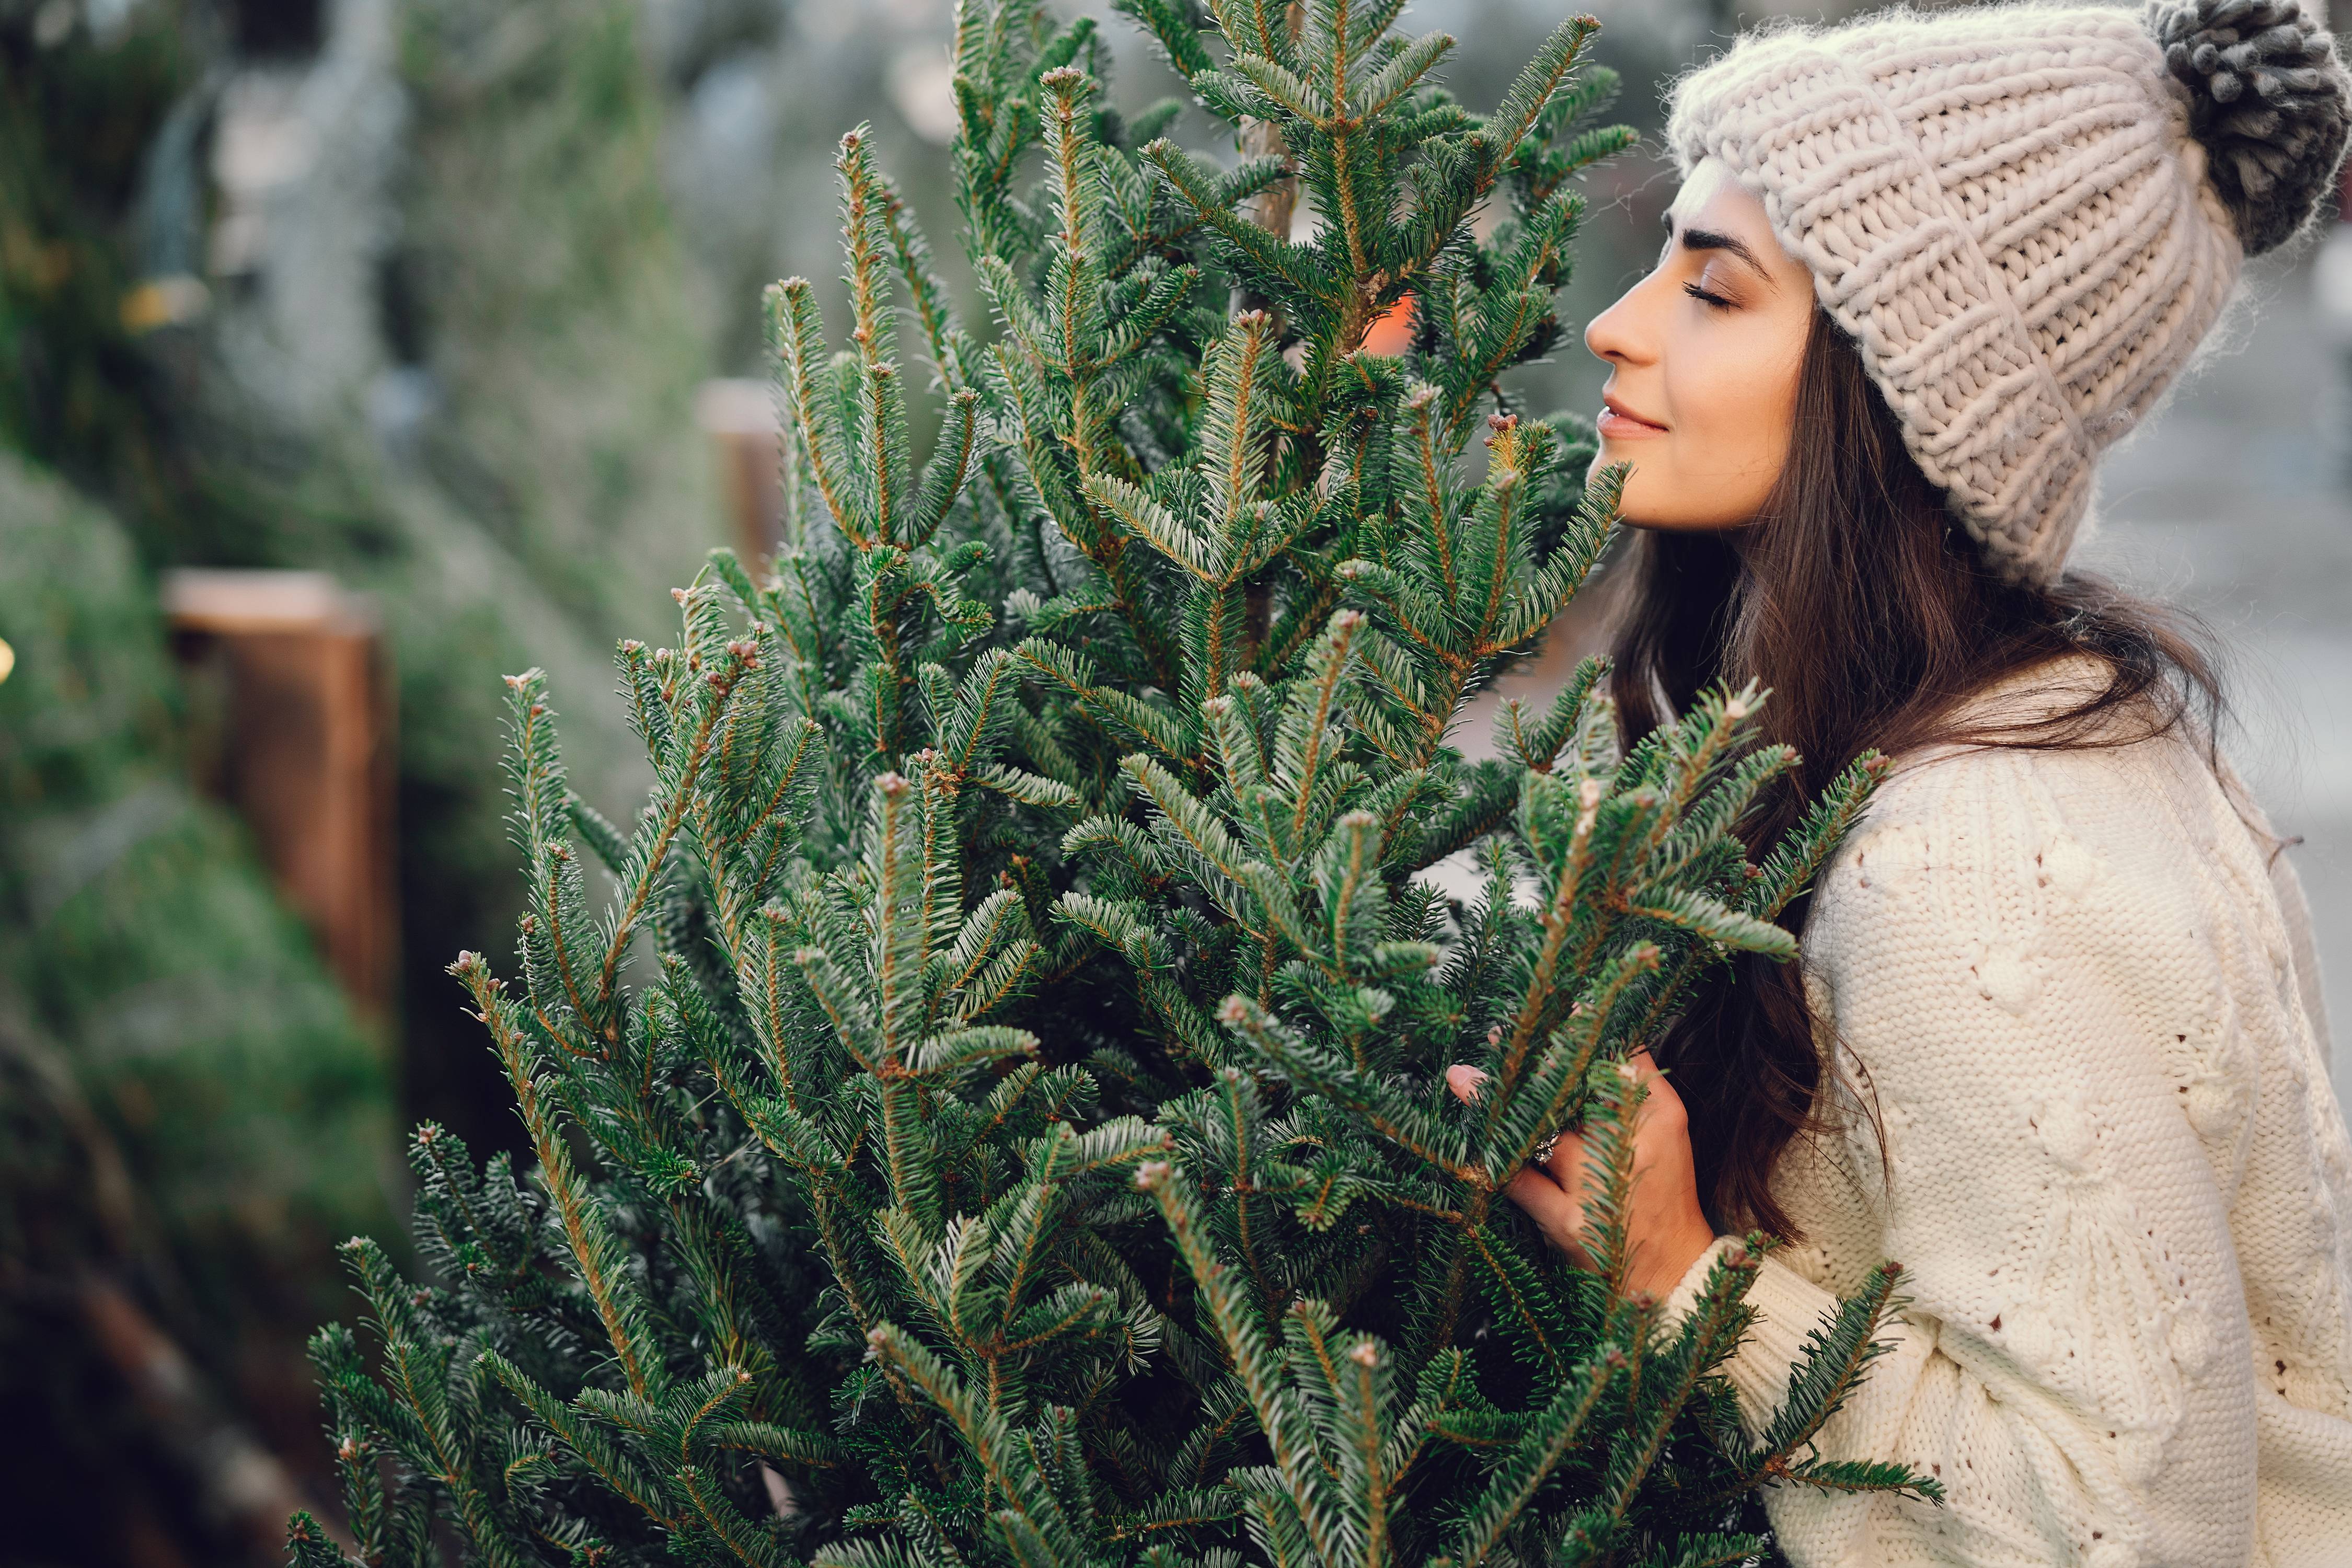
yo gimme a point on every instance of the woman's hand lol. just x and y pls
(1666, 1228)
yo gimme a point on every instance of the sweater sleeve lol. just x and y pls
(2295, 910)
(2014, 950)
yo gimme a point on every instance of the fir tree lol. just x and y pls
(997, 1116)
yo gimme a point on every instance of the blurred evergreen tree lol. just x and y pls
(537, 287)
(547, 487)
(192, 1114)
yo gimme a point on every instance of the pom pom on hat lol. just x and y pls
(2269, 100)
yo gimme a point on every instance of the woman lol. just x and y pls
(2053, 1042)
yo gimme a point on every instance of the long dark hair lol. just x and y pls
(1859, 600)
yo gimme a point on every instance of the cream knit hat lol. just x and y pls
(2026, 216)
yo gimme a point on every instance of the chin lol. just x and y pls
(1641, 482)
(1640, 506)
(1633, 513)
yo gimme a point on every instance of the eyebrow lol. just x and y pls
(1714, 239)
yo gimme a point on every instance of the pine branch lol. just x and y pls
(1550, 1437)
(1279, 1418)
(596, 1251)
(1836, 1354)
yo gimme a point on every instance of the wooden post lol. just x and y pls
(740, 416)
(303, 749)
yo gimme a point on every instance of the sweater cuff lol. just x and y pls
(1685, 1296)
(1788, 1308)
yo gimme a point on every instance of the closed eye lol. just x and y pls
(1716, 300)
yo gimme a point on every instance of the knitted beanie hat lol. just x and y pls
(2026, 216)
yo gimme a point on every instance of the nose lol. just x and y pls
(1615, 334)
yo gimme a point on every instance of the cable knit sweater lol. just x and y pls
(2116, 1172)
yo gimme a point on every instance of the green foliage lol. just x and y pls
(557, 492)
(190, 1116)
(76, 121)
(560, 328)
(144, 941)
(980, 957)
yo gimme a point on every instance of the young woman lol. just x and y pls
(2056, 1040)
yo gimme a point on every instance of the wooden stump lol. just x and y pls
(296, 731)
(740, 416)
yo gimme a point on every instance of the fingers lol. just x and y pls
(1660, 1103)
(1463, 1080)
(1558, 1216)
(1552, 1194)
(1566, 1161)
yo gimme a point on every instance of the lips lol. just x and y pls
(1616, 419)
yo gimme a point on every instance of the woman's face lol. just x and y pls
(1703, 355)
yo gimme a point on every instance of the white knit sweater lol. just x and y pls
(2116, 1173)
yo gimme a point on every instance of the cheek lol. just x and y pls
(1734, 397)
(1731, 388)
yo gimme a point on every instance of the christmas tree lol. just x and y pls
(997, 1114)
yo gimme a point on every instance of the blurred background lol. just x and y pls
(355, 352)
